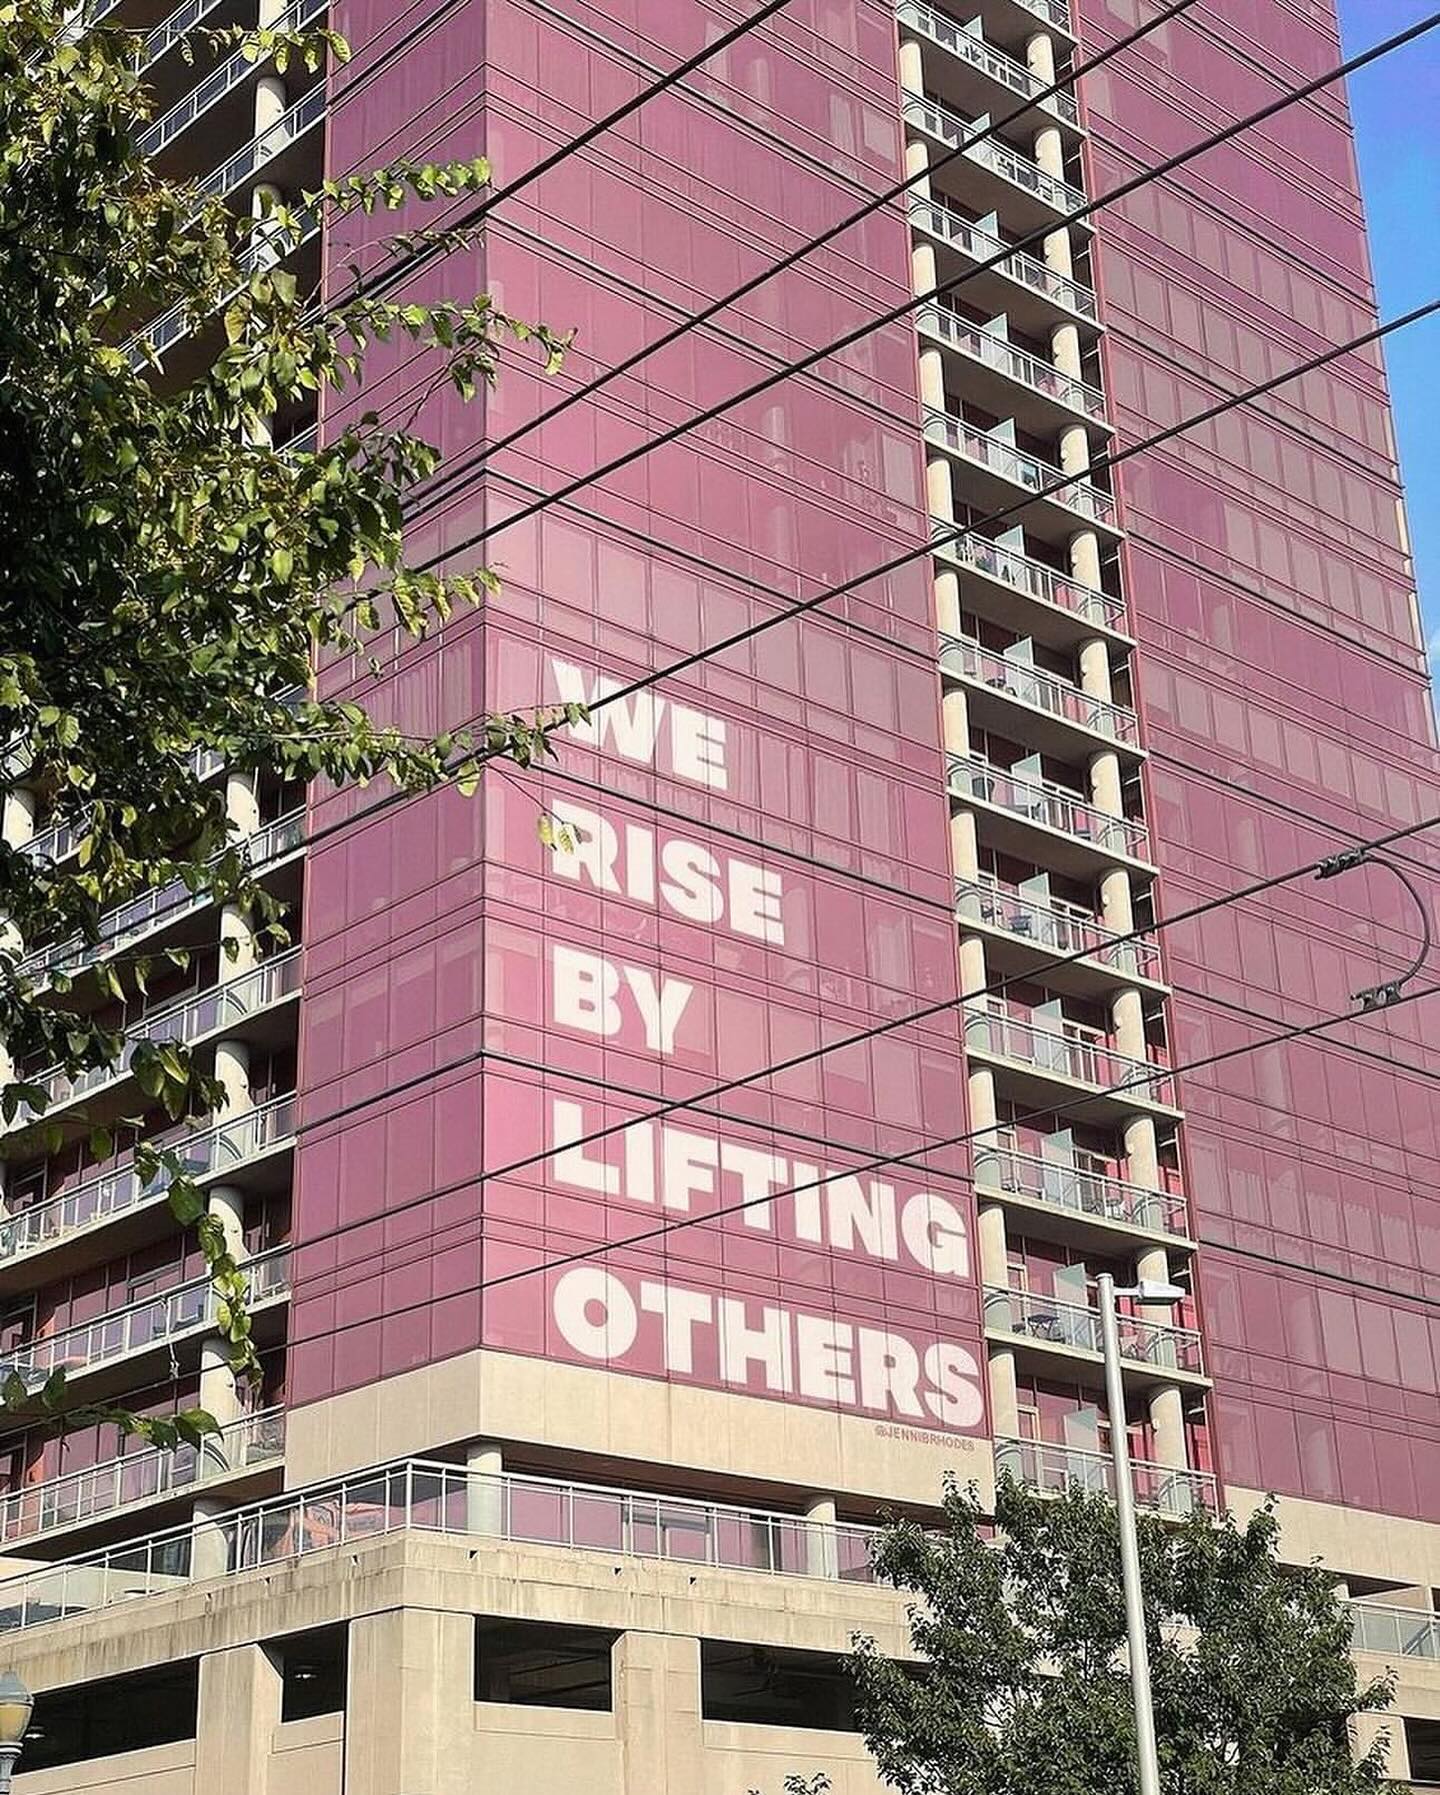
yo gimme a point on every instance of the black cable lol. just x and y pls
(1062, 222)
(715, 306)
(663, 1230)
(874, 1031)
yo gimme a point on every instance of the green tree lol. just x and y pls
(1023, 1684)
(169, 580)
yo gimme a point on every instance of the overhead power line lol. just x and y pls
(801, 252)
(662, 1231)
(873, 1032)
(1076, 216)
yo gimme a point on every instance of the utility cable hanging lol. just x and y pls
(1078, 215)
(1382, 996)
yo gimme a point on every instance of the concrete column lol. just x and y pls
(210, 1541)
(1074, 449)
(242, 802)
(964, 845)
(983, 1114)
(1167, 1427)
(1058, 253)
(1127, 1022)
(232, 1069)
(822, 1557)
(940, 489)
(972, 965)
(994, 1259)
(657, 1714)
(1142, 1153)
(1065, 349)
(17, 817)
(484, 1492)
(917, 160)
(1094, 660)
(409, 1707)
(1366, 1728)
(271, 104)
(1117, 906)
(932, 382)
(1004, 1394)
(955, 720)
(240, 1693)
(1040, 57)
(1106, 791)
(912, 68)
(1085, 559)
(1050, 151)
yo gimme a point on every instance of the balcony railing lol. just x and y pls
(153, 909)
(1053, 1469)
(232, 73)
(62, 839)
(950, 35)
(1028, 271)
(1016, 364)
(166, 1316)
(1035, 477)
(164, 332)
(223, 1147)
(1000, 158)
(186, 1022)
(251, 157)
(1040, 690)
(420, 1496)
(1066, 1050)
(1052, 923)
(97, 1490)
(1043, 801)
(1046, 584)
(1080, 1192)
(1394, 1632)
(1054, 12)
(1055, 1323)
(174, 29)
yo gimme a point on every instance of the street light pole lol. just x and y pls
(1149, 1763)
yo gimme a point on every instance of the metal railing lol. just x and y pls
(93, 1491)
(164, 332)
(232, 73)
(1017, 364)
(1078, 1190)
(1066, 1049)
(166, 1316)
(171, 30)
(967, 440)
(965, 45)
(1394, 1632)
(1053, 923)
(187, 1021)
(1053, 1469)
(1053, 12)
(418, 1495)
(153, 909)
(1032, 685)
(1043, 801)
(1101, 610)
(265, 146)
(952, 227)
(62, 839)
(1000, 158)
(1054, 1323)
(222, 1147)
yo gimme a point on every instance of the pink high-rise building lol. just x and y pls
(568, 1447)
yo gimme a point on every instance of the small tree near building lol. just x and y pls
(1025, 1689)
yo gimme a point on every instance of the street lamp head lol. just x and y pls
(1152, 1290)
(16, 1706)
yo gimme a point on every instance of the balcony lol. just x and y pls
(1066, 1055)
(421, 1496)
(221, 1150)
(1039, 930)
(1045, 822)
(1394, 1633)
(1008, 380)
(1035, 295)
(1020, 593)
(1067, 1190)
(98, 1491)
(1010, 183)
(1013, 476)
(1059, 717)
(1044, 1322)
(152, 911)
(161, 335)
(234, 72)
(1053, 1469)
(60, 840)
(193, 1019)
(975, 74)
(155, 1322)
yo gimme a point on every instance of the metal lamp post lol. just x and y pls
(1147, 1292)
(16, 1706)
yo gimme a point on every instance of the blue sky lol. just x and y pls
(1396, 107)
